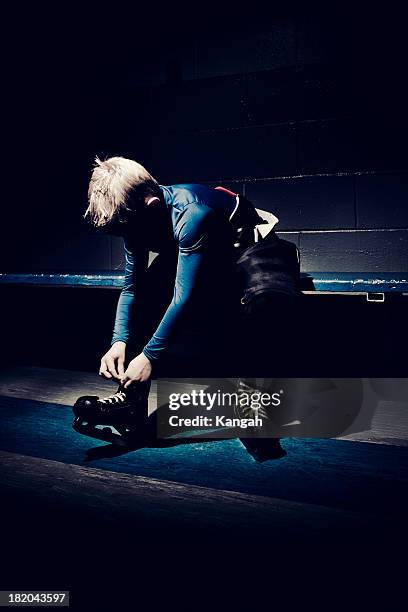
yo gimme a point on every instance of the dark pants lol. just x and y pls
(272, 323)
(270, 327)
(251, 341)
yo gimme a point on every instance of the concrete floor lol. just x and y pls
(65, 497)
(388, 418)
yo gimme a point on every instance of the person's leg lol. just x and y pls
(271, 321)
(272, 324)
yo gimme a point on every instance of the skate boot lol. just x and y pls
(121, 418)
(260, 448)
(124, 406)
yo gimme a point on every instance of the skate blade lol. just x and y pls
(115, 434)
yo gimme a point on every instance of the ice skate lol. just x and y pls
(121, 407)
(119, 418)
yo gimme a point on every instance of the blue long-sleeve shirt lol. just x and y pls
(201, 230)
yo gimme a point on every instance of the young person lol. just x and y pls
(198, 232)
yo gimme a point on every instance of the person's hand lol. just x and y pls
(112, 363)
(139, 369)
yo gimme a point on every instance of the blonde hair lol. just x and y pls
(114, 182)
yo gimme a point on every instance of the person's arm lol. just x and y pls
(112, 363)
(135, 267)
(194, 243)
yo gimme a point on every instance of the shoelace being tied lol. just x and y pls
(117, 398)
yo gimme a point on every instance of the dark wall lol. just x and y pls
(304, 113)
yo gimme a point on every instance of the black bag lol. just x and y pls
(270, 265)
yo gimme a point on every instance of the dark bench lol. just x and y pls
(375, 285)
(353, 324)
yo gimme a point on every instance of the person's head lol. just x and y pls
(118, 188)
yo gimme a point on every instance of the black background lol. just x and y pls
(301, 108)
(209, 94)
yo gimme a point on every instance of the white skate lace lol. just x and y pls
(117, 398)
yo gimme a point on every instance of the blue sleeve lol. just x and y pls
(134, 270)
(193, 237)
